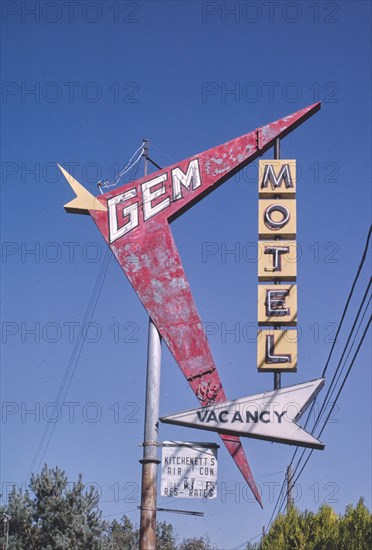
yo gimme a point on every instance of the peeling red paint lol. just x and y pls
(149, 257)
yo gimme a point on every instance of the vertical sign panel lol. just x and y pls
(277, 302)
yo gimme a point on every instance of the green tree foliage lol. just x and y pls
(201, 543)
(123, 535)
(355, 531)
(324, 530)
(58, 516)
(165, 539)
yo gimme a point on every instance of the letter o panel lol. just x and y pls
(277, 219)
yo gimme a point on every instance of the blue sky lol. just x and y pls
(83, 84)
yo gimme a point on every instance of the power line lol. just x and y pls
(347, 373)
(364, 255)
(276, 504)
(78, 347)
(72, 364)
(363, 258)
(338, 395)
(330, 412)
(351, 292)
(334, 382)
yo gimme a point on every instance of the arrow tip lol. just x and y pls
(283, 126)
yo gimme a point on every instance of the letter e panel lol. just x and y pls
(277, 305)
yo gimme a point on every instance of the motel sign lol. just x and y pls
(135, 218)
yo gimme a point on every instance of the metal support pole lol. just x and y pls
(289, 488)
(150, 444)
(277, 380)
(277, 149)
(277, 375)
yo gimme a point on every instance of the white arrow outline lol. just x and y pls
(283, 430)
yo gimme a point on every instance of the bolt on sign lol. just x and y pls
(135, 218)
(277, 302)
(189, 470)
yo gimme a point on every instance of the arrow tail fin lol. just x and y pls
(84, 200)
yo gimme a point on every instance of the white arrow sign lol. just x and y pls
(271, 415)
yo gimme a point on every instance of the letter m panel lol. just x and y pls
(277, 178)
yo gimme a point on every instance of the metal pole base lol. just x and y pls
(148, 506)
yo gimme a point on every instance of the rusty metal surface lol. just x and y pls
(148, 507)
(136, 227)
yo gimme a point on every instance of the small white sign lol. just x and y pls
(189, 470)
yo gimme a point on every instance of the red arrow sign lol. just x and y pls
(134, 220)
